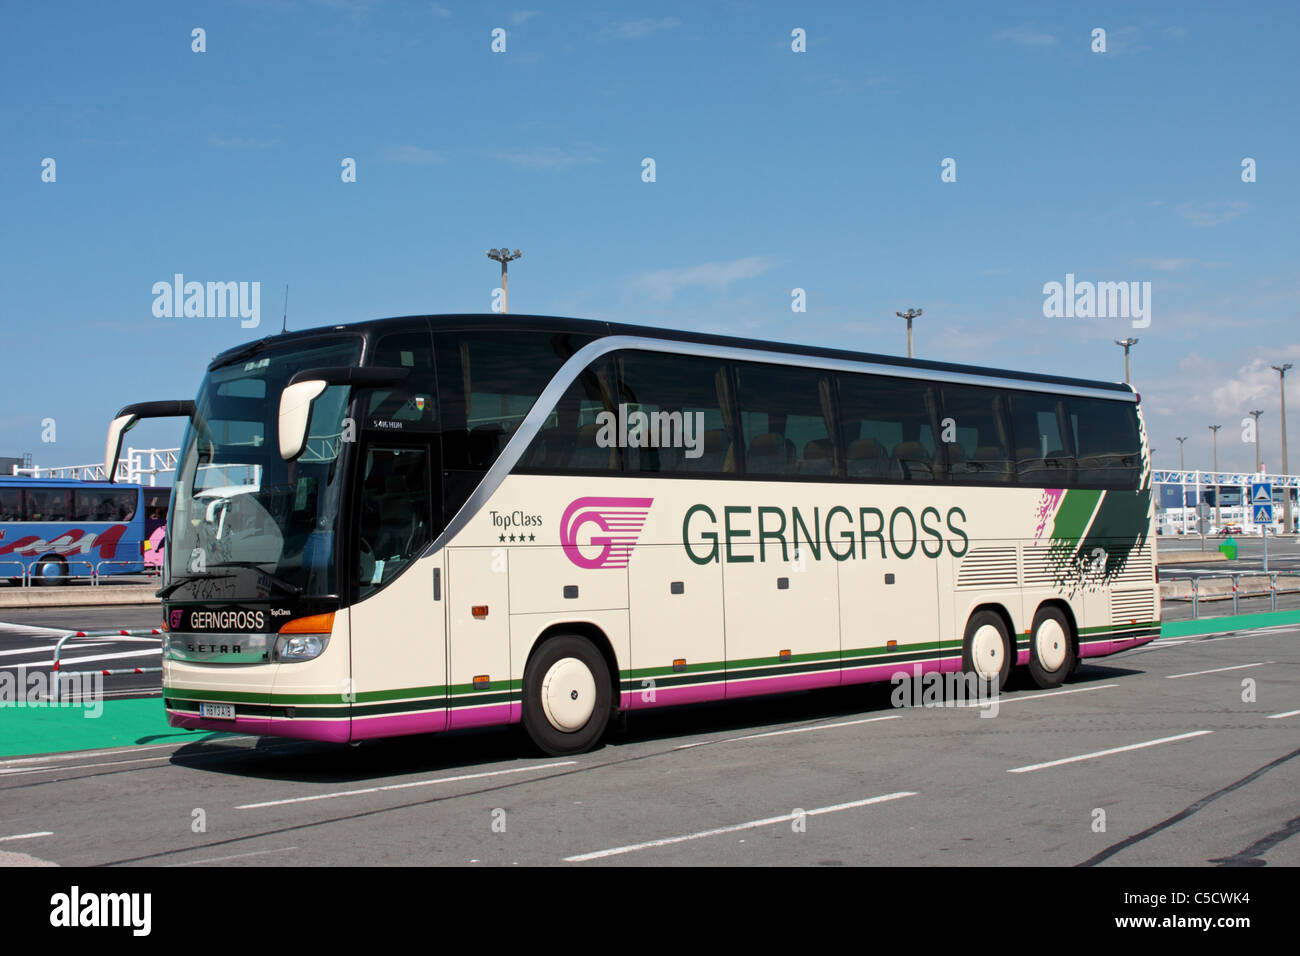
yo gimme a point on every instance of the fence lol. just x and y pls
(1235, 593)
(140, 635)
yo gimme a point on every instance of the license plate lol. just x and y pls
(219, 711)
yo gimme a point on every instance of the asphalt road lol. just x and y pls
(28, 637)
(1157, 743)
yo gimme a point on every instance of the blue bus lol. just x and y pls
(54, 529)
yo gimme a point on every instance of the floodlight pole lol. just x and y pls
(504, 256)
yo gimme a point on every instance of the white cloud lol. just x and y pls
(1212, 213)
(636, 29)
(550, 157)
(1026, 35)
(521, 16)
(440, 11)
(1165, 263)
(411, 155)
(717, 276)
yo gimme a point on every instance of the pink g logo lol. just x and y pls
(176, 618)
(618, 524)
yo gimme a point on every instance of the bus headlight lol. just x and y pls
(300, 647)
(304, 638)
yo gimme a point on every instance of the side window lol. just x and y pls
(784, 417)
(412, 403)
(395, 522)
(104, 504)
(888, 428)
(48, 504)
(580, 432)
(488, 382)
(11, 504)
(1044, 450)
(976, 421)
(1107, 442)
(678, 413)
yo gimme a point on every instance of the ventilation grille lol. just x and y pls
(1138, 568)
(1038, 567)
(988, 567)
(1129, 606)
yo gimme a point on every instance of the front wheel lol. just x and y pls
(50, 569)
(567, 696)
(986, 649)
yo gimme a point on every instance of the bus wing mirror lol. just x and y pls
(308, 385)
(128, 417)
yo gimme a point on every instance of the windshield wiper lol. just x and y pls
(254, 566)
(164, 592)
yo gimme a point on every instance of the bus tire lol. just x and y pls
(1051, 648)
(567, 696)
(986, 649)
(53, 561)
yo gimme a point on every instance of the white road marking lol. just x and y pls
(80, 755)
(26, 836)
(403, 786)
(1219, 670)
(1154, 645)
(1289, 713)
(735, 828)
(109, 657)
(1004, 699)
(85, 766)
(46, 649)
(29, 629)
(1107, 753)
(804, 730)
(237, 856)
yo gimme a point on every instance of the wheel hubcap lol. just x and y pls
(1049, 645)
(988, 653)
(568, 694)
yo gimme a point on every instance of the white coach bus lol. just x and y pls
(420, 524)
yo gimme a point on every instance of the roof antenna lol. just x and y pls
(285, 326)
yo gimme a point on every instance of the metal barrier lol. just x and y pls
(1236, 591)
(137, 636)
(96, 575)
(22, 571)
(33, 577)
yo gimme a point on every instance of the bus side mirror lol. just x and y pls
(295, 415)
(128, 417)
(308, 385)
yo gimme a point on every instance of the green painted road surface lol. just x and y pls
(27, 731)
(57, 729)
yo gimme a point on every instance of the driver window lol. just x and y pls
(395, 519)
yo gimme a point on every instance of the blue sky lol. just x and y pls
(775, 170)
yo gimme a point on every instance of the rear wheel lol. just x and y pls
(1051, 649)
(567, 696)
(986, 649)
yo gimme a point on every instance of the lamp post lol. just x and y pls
(1126, 344)
(1286, 469)
(1214, 431)
(910, 314)
(1182, 483)
(503, 256)
(1259, 466)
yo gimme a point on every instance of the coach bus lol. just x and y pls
(56, 529)
(421, 524)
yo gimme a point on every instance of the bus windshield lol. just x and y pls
(246, 523)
